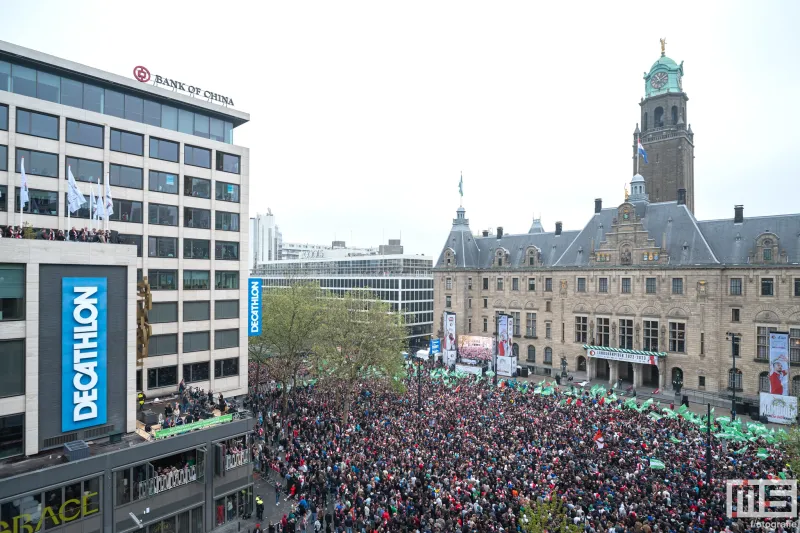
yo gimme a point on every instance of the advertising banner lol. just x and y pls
(779, 363)
(622, 356)
(208, 422)
(254, 298)
(449, 337)
(84, 352)
(435, 347)
(503, 333)
(778, 408)
(506, 366)
(469, 369)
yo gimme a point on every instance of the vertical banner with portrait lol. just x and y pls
(503, 344)
(779, 363)
(449, 338)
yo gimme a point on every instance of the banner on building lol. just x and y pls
(84, 352)
(449, 337)
(506, 366)
(628, 356)
(779, 363)
(778, 408)
(503, 341)
(254, 299)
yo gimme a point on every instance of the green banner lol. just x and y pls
(208, 422)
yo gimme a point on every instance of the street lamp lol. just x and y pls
(734, 338)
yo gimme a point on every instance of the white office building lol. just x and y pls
(266, 241)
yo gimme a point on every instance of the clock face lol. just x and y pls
(658, 80)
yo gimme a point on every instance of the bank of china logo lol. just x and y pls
(141, 74)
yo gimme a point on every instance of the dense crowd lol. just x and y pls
(477, 454)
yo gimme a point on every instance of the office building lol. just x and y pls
(266, 241)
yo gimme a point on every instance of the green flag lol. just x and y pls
(655, 416)
(762, 453)
(741, 451)
(674, 440)
(656, 464)
(782, 475)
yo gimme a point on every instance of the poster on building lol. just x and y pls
(449, 338)
(503, 342)
(779, 363)
(778, 408)
(506, 366)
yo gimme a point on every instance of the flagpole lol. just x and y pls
(69, 171)
(638, 142)
(21, 205)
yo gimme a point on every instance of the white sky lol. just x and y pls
(363, 114)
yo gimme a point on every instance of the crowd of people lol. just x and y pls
(476, 454)
(49, 234)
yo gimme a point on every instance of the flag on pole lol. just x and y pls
(656, 464)
(92, 202)
(75, 198)
(641, 150)
(23, 189)
(461, 186)
(598, 439)
(109, 201)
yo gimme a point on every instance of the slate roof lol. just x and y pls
(733, 242)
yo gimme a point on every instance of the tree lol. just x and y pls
(359, 340)
(548, 516)
(792, 447)
(290, 323)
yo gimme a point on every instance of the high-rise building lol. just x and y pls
(266, 241)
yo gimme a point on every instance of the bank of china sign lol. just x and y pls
(143, 75)
(84, 352)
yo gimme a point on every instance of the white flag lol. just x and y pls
(109, 209)
(92, 204)
(23, 190)
(99, 207)
(75, 198)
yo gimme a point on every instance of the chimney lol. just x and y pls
(738, 214)
(681, 196)
(499, 232)
(485, 233)
(598, 205)
(558, 228)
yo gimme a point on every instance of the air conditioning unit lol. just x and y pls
(76, 450)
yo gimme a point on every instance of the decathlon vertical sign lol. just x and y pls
(254, 296)
(84, 352)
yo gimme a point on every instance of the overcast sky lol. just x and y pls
(364, 114)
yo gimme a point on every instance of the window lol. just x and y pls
(469, 285)
(163, 345)
(486, 303)
(650, 336)
(12, 293)
(530, 325)
(485, 324)
(196, 156)
(226, 221)
(228, 162)
(548, 356)
(486, 284)
(226, 309)
(195, 280)
(796, 284)
(85, 170)
(763, 380)
(39, 202)
(196, 187)
(195, 372)
(767, 287)
(514, 284)
(165, 376)
(226, 192)
(735, 346)
(626, 285)
(84, 133)
(134, 108)
(224, 368)
(469, 324)
(677, 285)
(735, 379)
(531, 353)
(650, 285)
(548, 330)
(581, 284)
(701, 381)
(517, 322)
(677, 337)
(162, 247)
(532, 284)
(226, 279)
(702, 343)
(163, 312)
(226, 338)
(762, 341)
(166, 150)
(152, 113)
(767, 254)
(469, 303)
(548, 306)
(196, 341)
(196, 218)
(794, 345)
(23, 81)
(163, 182)
(93, 98)
(163, 280)
(448, 284)
(447, 301)
(194, 311)
(3, 111)
(548, 284)
(122, 176)
(603, 337)
(3, 157)
(735, 314)
(196, 249)
(127, 142)
(127, 211)
(602, 285)
(37, 163)
(12, 363)
(12, 439)
(135, 240)
(162, 215)
(736, 286)
(37, 124)
(499, 284)
(499, 261)
(626, 333)
(582, 329)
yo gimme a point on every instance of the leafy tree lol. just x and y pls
(28, 232)
(359, 340)
(548, 516)
(290, 323)
(791, 446)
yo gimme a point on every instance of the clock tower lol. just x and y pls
(666, 136)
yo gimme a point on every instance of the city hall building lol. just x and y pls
(73, 456)
(644, 292)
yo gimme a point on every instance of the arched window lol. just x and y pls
(796, 386)
(515, 349)
(531, 353)
(677, 376)
(674, 114)
(735, 379)
(644, 124)
(548, 356)
(581, 364)
(658, 117)
(763, 382)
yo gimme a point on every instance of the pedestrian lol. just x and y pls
(259, 508)
(277, 493)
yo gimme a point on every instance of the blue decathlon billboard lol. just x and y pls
(84, 352)
(254, 300)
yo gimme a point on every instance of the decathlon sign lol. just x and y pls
(254, 299)
(84, 352)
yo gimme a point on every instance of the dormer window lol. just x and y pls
(766, 248)
(499, 261)
(767, 254)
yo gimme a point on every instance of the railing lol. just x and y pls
(165, 482)
(235, 460)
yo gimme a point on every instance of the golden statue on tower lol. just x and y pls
(663, 45)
